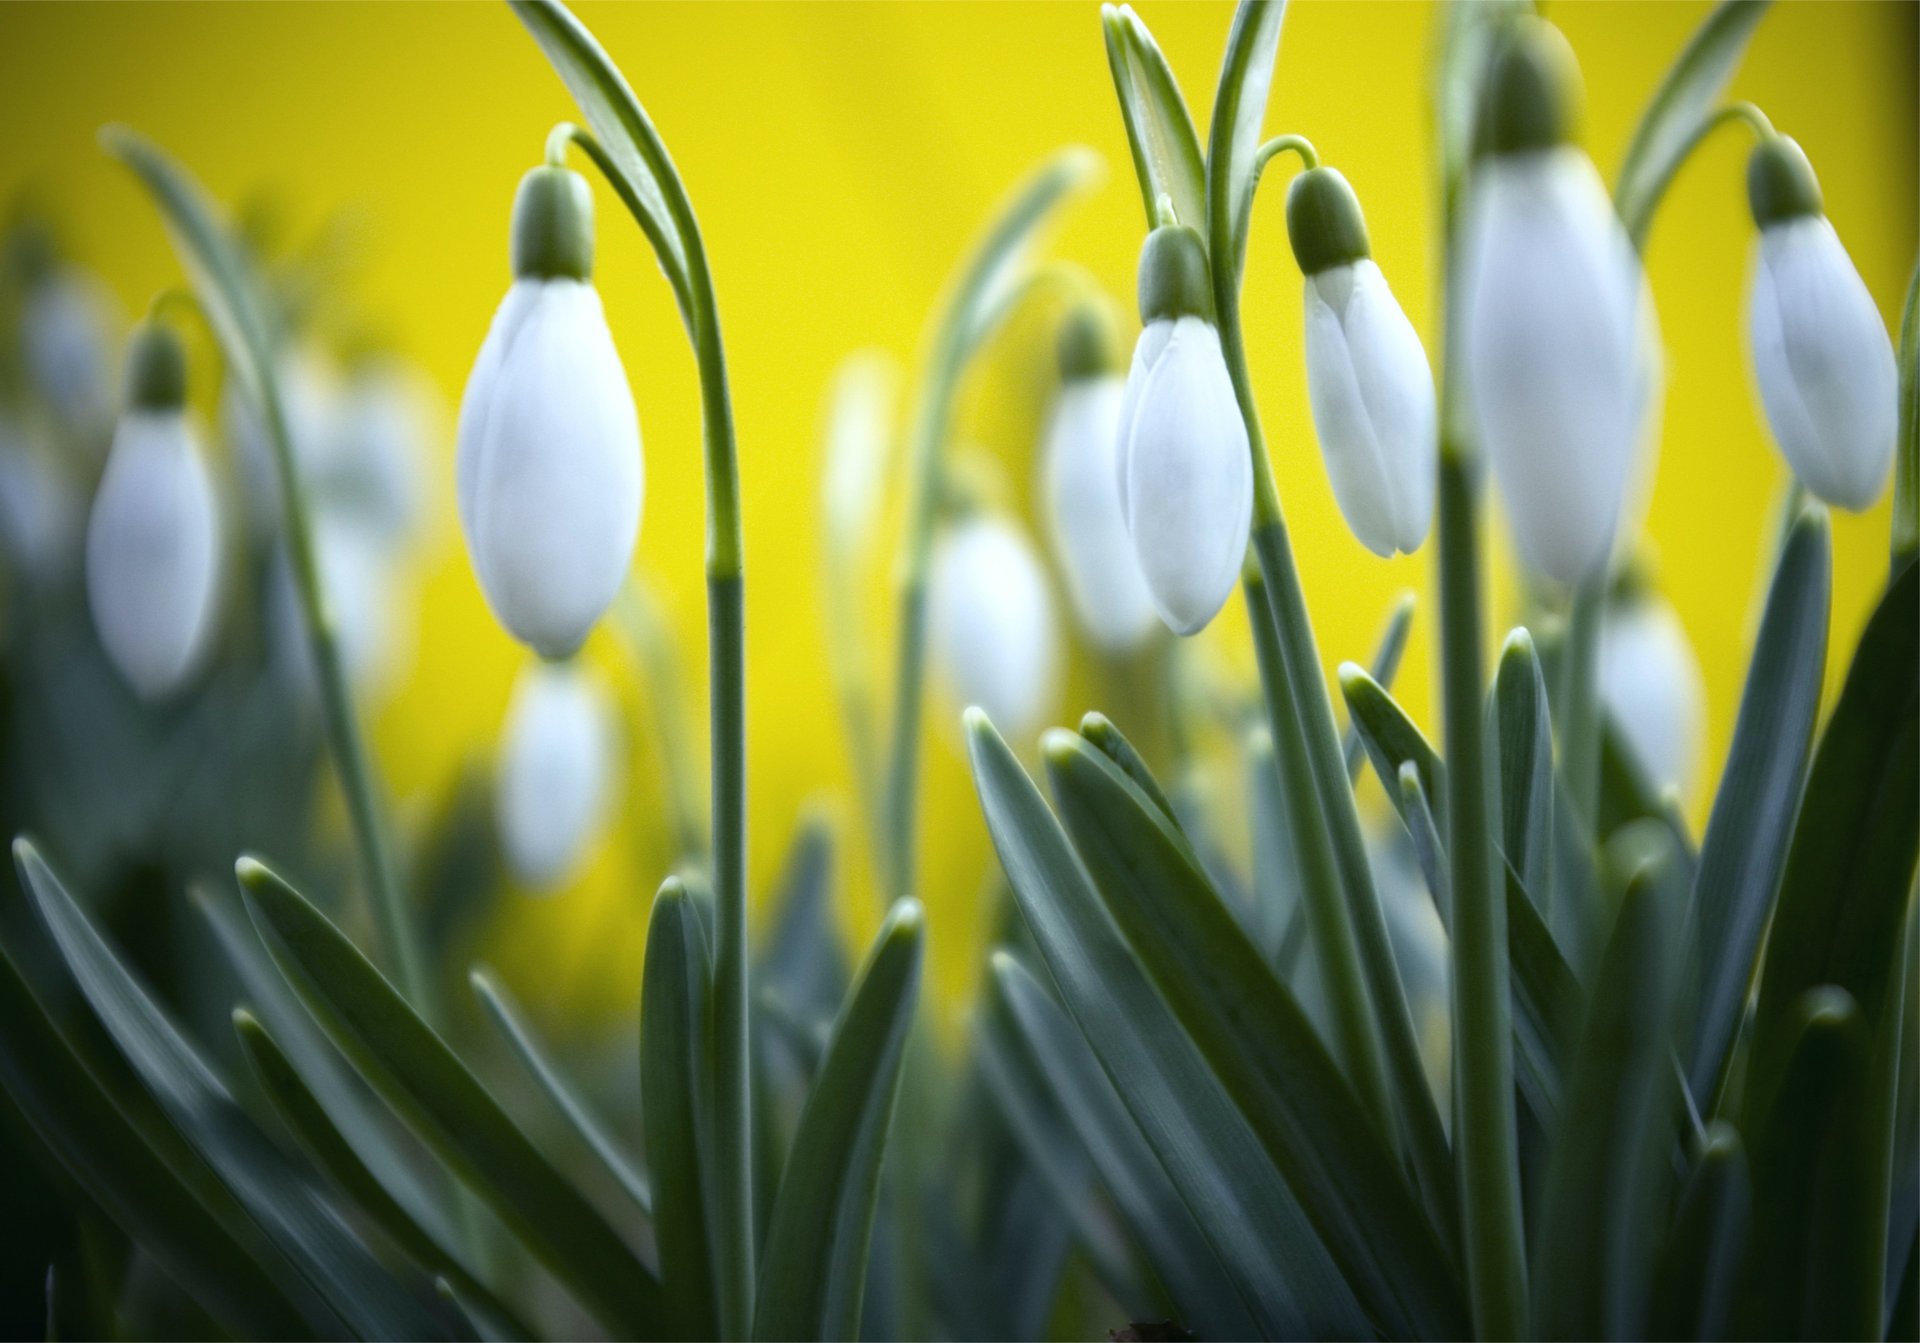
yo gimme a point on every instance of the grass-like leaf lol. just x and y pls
(1166, 149)
(1233, 135)
(1383, 668)
(1521, 742)
(1700, 1267)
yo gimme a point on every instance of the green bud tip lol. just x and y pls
(552, 232)
(1532, 94)
(1780, 182)
(1324, 222)
(1088, 347)
(1352, 674)
(1174, 280)
(156, 377)
(1058, 746)
(1519, 644)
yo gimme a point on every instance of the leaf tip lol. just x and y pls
(1058, 746)
(906, 921)
(1353, 679)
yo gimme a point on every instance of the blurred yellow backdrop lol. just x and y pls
(841, 157)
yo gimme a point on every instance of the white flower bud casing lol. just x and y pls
(1651, 686)
(990, 623)
(557, 772)
(548, 464)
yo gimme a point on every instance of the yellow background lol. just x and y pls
(840, 158)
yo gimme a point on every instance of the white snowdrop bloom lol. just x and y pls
(309, 386)
(990, 623)
(1551, 330)
(1079, 464)
(152, 551)
(67, 325)
(1368, 383)
(558, 771)
(1652, 689)
(363, 600)
(548, 468)
(1821, 354)
(41, 513)
(859, 441)
(1184, 468)
(378, 442)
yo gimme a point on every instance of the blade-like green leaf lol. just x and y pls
(1745, 845)
(1384, 667)
(676, 1089)
(1233, 136)
(1278, 902)
(1700, 1266)
(1547, 1002)
(1106, 738)
(507, 1019)
(1213, 1158)
(1679, 108)
(1429, 850)
(428, 1086)
(278, 1196)
(1595, 1244)
(1160, 1223)
(1906, 464)
(814, 1271)
(1522, 751)
(1260, 1044)
(317, 1136)
(1392, 740)
(802, 961)
(1166, 149)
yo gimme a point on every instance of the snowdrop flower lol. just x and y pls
(152, 542)
(558, 771)
(309, 399)
(357, 576)
(67, 330)
(1082, 500)
(383, 428)
(1367, 377)
(1652, 689)
(41, 514)
(1553, 328)
(990, 622)
(548, 466)
(1185, 470)
(1820, 351)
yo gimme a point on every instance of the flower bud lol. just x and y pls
(1651, 687)
(310, 397)
(1552, 332)
(548, 464)
(1079, 463)
(1367, 377)
(384, 428)
(990, 623)
(1821, 355)
(1184, 467)
(152, 541)
(68, 323)
(557, 773)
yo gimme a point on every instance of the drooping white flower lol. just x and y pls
(548, 467)
(68, 326)
(1184, 469)
(152, 556)
(1368, 383)
(1079, 463)
(1821, 354)
(990, 623)
(309, 386)
(1652, 689)
(1552, 324)
(380, 437)
(558, 771)
(362, 591)
(42, 516)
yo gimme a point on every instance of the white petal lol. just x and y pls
(1550, 342)
(66, 331)
(1823, 362)
(1154, 338)
(1652, 688)
(549, 471)
(558, 771)
(1083, 512)
(990, 624)
(1189, 478)
(152, 553)
(1373, 406)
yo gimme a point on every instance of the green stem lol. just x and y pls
(1578, 703)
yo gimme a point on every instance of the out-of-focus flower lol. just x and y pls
(1079, 466)
(309, 386)
(377, 446)
(859, 442)
(558, 771)
(1554, 328)
(41, 512)
(1652, 689)
(68, 327)
(1821, 354)
(549, 470)
(990, 623)
(1184, 468)
(364, 601)
(153, 548)
(1367, 376)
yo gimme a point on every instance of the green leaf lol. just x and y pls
(278, 1196)
(1278, 902)
(1745, 845)
(1429, 850)
(308, 1122)
(802, 961)
(1906, 469)
(1594, 1249)
(1166, 149)
(1391, 740)
(814, 1271)
(1547, 1001)
(1522, 743)
(1384, 667)
(1158, 1220)
(1107, 739)
(507, 1019)
(1679, 109)
(1838, 919)
(1260, 1044)
(1699, 1269)
(676, 1093)
(428, 1086)
(1233, 136)
(1213, 1158)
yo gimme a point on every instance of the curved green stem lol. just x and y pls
(1281, 144)
(1747, 114)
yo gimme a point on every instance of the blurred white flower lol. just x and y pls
(990, 623)
(1079, 462)
(41, 513)
(558, 771)
(377, 446)
(68, 327)
(364, 602)
(1653, 691)
(309, 387)
(859, 442)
